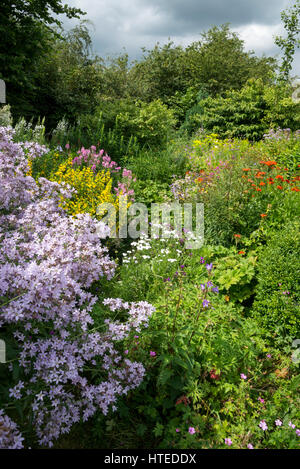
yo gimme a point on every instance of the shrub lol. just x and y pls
(276, 306)
(249, 112)
(152, 124)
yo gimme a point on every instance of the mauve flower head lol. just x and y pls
(192, 430)
(278, 423)
(152, 354)
(228, 441)
(10, 437)
(243, 376)
(263, 425)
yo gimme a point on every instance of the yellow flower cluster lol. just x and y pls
(210, 142)
(29, 172)
(91, 189)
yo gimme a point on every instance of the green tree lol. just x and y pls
(25, 31)
(220, 62)
(291, 21)
(160, 73)
(68, 77)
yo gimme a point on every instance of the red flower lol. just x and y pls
(214, 375)
(263, 215)
(242, 252)
(279, 187)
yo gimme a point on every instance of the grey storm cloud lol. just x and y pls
(133, 24)
(184, 16)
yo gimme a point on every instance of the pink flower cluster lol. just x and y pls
(91, 158)
(47, 262)
(95, 160)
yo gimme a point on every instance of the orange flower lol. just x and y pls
(237, 235)
(262, 183)
(263, 215)
(258, 189)
(269, 163)
(246, 169)
(242, 252)
(279, 177)
(295, 189)
(279, 187)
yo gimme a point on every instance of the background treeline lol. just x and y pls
(212, 83)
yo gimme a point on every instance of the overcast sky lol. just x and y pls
(133, 24)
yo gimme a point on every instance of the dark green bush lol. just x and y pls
(277, 303)
(246, 113)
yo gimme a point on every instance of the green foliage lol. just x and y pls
(160, 73)
(25, 30)
(159, 164)
(91, 130)
(47, 164)
(291, 21)
(220, 62)
(68, 77)
(149, 191)
(217, 61)
(278, 294)
(282, 146)
(180, 103)
(5, 116)
(249, 112)
(198, 357)
(152, 123)
(235, 275)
